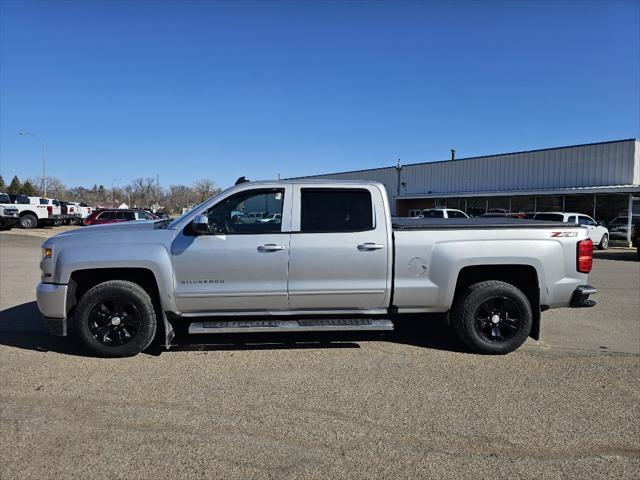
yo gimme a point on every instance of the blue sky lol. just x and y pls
(198, 89)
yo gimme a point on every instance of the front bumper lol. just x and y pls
(9, 221)
(580, 298)
(52, 303)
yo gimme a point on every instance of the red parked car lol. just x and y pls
(115, 215)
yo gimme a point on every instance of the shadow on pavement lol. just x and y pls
(22, 327)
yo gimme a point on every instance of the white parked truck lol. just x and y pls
(31, 212)
(332, 260)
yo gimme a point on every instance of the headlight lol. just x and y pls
(47, 252)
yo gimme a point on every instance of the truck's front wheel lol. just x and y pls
(115, 319)
(492, 317)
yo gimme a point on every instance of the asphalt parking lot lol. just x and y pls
(413, 404)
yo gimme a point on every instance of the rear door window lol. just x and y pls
(335, 210)
(582, 220)
(454, 214)
(125, 216)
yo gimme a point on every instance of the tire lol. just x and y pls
(492, 317)
(604, 242)
(28, 220)
(116, 300)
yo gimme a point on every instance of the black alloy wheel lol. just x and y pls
(498, 319)
(114, 321)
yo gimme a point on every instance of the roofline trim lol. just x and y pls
(392, 167)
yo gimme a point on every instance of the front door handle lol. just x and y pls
(270, 247)
(370, 246)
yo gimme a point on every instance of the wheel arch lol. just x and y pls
(524, 277)
(82, 280)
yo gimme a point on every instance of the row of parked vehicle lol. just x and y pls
(31, 212)
(600, 234)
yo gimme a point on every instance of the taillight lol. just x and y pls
(50, 210)
(584, 255)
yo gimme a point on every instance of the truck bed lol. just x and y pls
(406, 223)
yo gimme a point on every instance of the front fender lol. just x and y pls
(150, 256)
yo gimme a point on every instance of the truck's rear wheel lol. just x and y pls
(492, 317)
(115, 319)
(28, 220)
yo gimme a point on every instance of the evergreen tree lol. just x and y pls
(2, 184)
(15, 186)
(28, 189)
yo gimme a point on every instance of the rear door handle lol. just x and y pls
(270, 247)
(370, 246)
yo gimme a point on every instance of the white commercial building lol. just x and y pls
(598, 179)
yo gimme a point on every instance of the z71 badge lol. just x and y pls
(564, 234)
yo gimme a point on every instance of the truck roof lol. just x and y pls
(313, 181)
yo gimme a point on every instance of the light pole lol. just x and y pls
(112, 182)
(44, 177)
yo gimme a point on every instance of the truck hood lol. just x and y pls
(128, 227)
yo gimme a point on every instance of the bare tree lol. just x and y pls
(55, 188)
(205, 188)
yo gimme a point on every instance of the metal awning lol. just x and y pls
(512, 193)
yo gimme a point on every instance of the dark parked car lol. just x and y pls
(114, 215)
(618, 226)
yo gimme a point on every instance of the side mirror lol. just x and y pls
(200, 224)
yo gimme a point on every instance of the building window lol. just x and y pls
(499, 204)
(579, 204)
(457, 203)
(611, 206)
(523, 204)
(551, 203)
(476, 206)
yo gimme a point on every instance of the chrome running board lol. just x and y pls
(307, 325)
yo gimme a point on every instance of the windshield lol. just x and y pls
(4, 198)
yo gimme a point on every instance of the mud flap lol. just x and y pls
(168, 332)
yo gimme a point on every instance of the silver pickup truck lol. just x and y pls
(308, 256)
